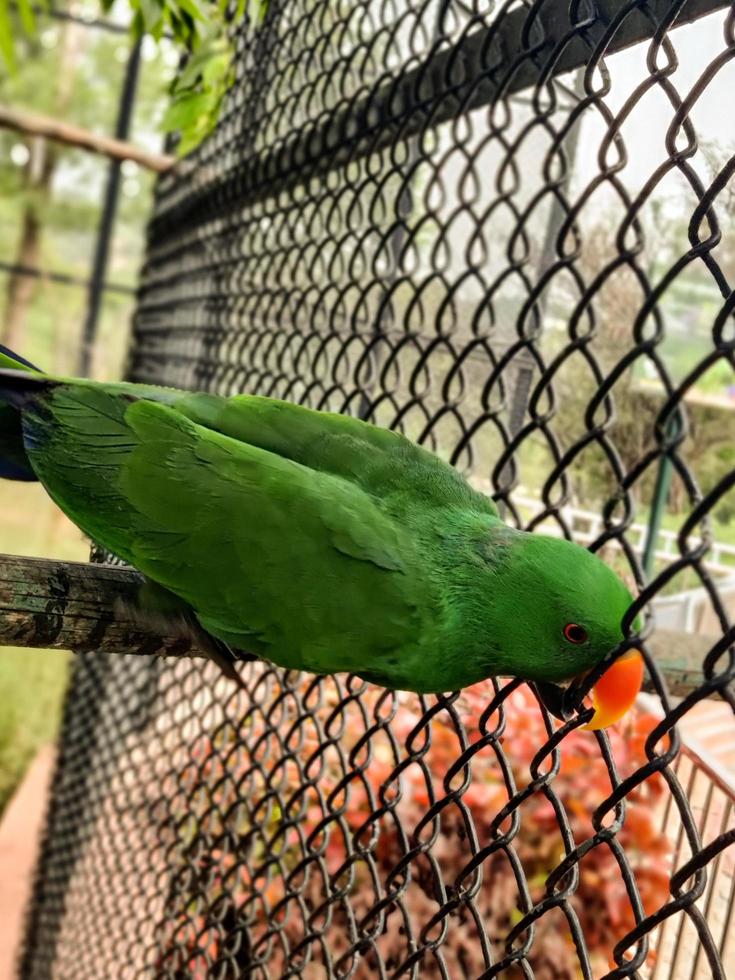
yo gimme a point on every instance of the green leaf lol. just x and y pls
(137, 26)
(191, 140)
(192, 72)
(192, 8)
(152, 12)
(7, 48)
(27, 17)
(180, 27)
(258, 11)
(191, 137)
(184, 112)
(216, 68)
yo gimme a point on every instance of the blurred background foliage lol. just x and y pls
(196, 28)
(50, 202)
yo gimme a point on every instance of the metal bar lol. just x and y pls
(726, 931)
(680, 920)
(97, 23)
(660, 496)
(685, 924)
(714, 875)
(722, 778)
(472, 73)
(62, 277)
(385, 321)
(107, 220)
(404, 209)
(265, 43)
(668, 826)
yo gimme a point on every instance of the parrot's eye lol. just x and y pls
(575, 633)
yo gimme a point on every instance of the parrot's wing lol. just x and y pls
(377, 459)
(274, 557)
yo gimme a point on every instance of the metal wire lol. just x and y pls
(438, 216)
(60, 277)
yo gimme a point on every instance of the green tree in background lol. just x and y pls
(73, 72)
(638, 398)
(38, 172)
(198, 29)
(50, 193)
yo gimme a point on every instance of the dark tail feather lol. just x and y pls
(11, 470)
(161, 610)
(224, 656)
(9, 355)
(17, 388)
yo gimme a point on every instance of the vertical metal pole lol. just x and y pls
(664, 473)
(107, 219)
(660, 497)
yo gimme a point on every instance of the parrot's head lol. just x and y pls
(562, 610)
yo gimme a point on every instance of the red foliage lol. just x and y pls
(306, 815)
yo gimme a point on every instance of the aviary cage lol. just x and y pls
(505, 228)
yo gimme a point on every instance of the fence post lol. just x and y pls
(107, 219)
(674, 426)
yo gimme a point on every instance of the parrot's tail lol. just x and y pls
(9, 359)
(14, 464)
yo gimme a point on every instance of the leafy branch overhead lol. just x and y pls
(197, 27)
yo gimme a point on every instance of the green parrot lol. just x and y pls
(314, 540)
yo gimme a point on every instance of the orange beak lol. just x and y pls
(613, 695)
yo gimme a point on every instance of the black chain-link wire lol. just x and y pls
(463, 219)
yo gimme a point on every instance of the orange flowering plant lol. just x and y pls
(349, 824)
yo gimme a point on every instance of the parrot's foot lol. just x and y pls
(159, 609)
(222, 654)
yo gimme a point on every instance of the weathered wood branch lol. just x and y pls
(77, 606)
(32, 124)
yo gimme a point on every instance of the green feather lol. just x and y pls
(315, 540)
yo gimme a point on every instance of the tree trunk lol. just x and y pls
(21, 288)
(38, 176)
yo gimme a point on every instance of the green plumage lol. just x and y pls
(314, 540)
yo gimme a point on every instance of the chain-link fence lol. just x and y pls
(505, 228)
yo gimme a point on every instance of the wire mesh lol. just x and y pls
(503, 229)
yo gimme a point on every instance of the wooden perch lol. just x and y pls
(76, 606)
(35, 125)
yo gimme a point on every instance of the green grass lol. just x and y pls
(32, 682)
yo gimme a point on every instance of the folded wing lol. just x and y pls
(288, 561)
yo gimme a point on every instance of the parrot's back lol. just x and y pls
(285, 529)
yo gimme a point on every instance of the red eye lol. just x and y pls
(575, 633)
